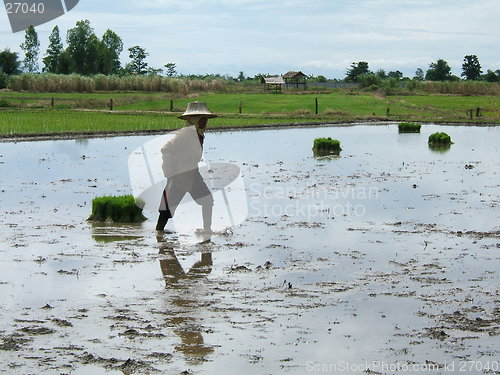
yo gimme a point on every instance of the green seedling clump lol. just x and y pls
(439, 139)
(326, 146)
(122, 209)
(409, 127)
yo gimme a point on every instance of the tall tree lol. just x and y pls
(92, 59)
(110, 47)
(83, 47)
(31, 48)
(439, 71)
(356, 70)
(138, 65)
(66, 63)
(419, 74)
(52, 57)
(471, 68)
(9, 62)
(171, 69)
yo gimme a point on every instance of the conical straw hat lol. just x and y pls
(197, 109)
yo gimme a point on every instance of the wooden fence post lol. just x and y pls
(478, 112)
(171, 105)
(316, 105)
(52, 102)
(241, 107)
(110, 104)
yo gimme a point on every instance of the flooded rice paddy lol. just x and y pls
(382, 260)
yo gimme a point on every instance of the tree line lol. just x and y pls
(438, 71)
(85, 54)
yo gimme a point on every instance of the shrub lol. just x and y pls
(4, 103)
(48, 82)
(465, 88)
(440, 139)
(4, 79)
(122, 209)
(369, 79)
(409, 127)
(326, 146)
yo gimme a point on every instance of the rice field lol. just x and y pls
(47, 113)
(23, 122)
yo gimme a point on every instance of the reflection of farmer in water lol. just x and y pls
(192, 344)
(181, 156)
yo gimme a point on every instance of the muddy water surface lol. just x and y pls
(384, 259)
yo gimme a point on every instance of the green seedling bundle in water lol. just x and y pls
(440, 138)
(409, 127)
(326, 146)
(121, 209)
(440, 141)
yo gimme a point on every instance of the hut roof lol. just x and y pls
(277, 80)
(293, 74)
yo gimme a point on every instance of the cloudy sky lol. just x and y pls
(319, 37)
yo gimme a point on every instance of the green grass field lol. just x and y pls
(357, 104)
(337, 103)
(31, 113)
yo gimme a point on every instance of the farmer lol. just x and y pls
(181, 156)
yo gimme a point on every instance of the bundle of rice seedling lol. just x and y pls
(326, 146)
(121, 209)
(441, 139)
(409, 127)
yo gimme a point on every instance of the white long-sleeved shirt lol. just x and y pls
(182, 153)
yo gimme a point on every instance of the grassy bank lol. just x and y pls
(340, 103)
(32, 113)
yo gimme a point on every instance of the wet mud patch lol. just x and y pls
(13, 342)
(37, 330)
(470, 321)
(128, 366)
